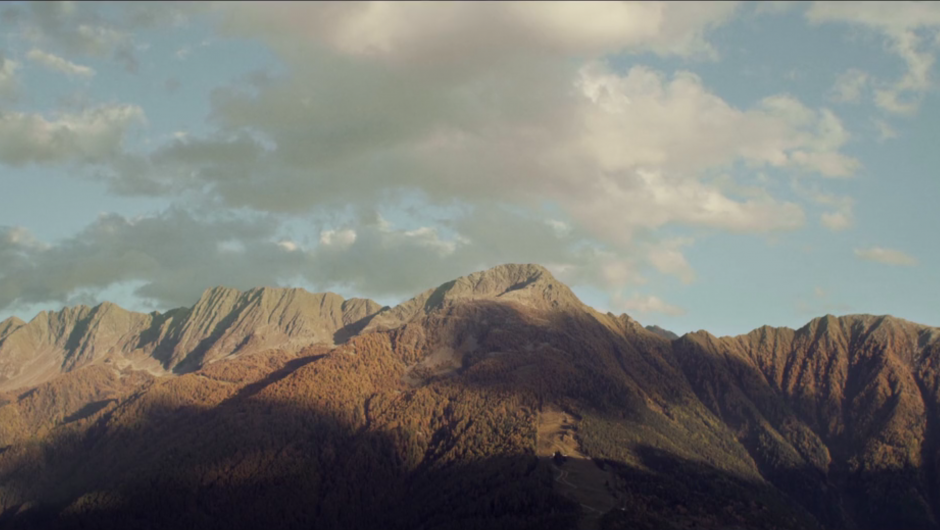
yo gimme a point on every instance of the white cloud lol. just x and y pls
(564, 146)
(841, 217)
(428, 237)
(677, 124)
(491, 110)
(894, 17)
(645, 304)
(895, 98)
(95, 29)
(560, 227)
(288, 245)
(668, 259)
(899, 23)
(54, 62)
(437, 33)
(886, 256)
(9, 82)
(849, 86)
(837, 221)
(93, 135)
(339, 238)
(488, 108)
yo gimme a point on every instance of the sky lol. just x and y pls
(715, 166)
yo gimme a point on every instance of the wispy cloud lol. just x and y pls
(849, 86)
(886, 255)
(646, 304)
(885, 131)
(9, 82)
(901, 23)
(58, 64)
(93, 135)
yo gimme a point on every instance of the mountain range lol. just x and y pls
(497, 400)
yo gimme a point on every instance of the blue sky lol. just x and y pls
(710, 166)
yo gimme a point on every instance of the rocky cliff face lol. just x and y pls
(222, 323)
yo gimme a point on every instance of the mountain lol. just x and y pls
(843, 411)
(223, 322)
(664, 333)
(497, 400)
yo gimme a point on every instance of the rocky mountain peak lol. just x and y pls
(526, 284)
(9, 326)
(664, 333)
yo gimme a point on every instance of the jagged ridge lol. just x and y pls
(223, 322)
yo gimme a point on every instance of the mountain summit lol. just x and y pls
(529, 285)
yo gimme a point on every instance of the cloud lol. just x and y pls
(9, 82)
(885, 131)
(72, 26)
(901, 24)
(849, 86)
(92, 29)
(840, 217)
(288, 245)
(886, 256)
(380, 259)
(916, 81)
(93, 135)
(506, 116)
(442, 33)
(173, 256)
(837, 221)
(562, 144)
(668, 259)
(645, 304)
(54, 62)
(486, 109)
(338, 238)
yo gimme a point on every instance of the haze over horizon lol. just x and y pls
(713, 166)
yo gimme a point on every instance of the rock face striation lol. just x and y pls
(224, 322)
(278, 407)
